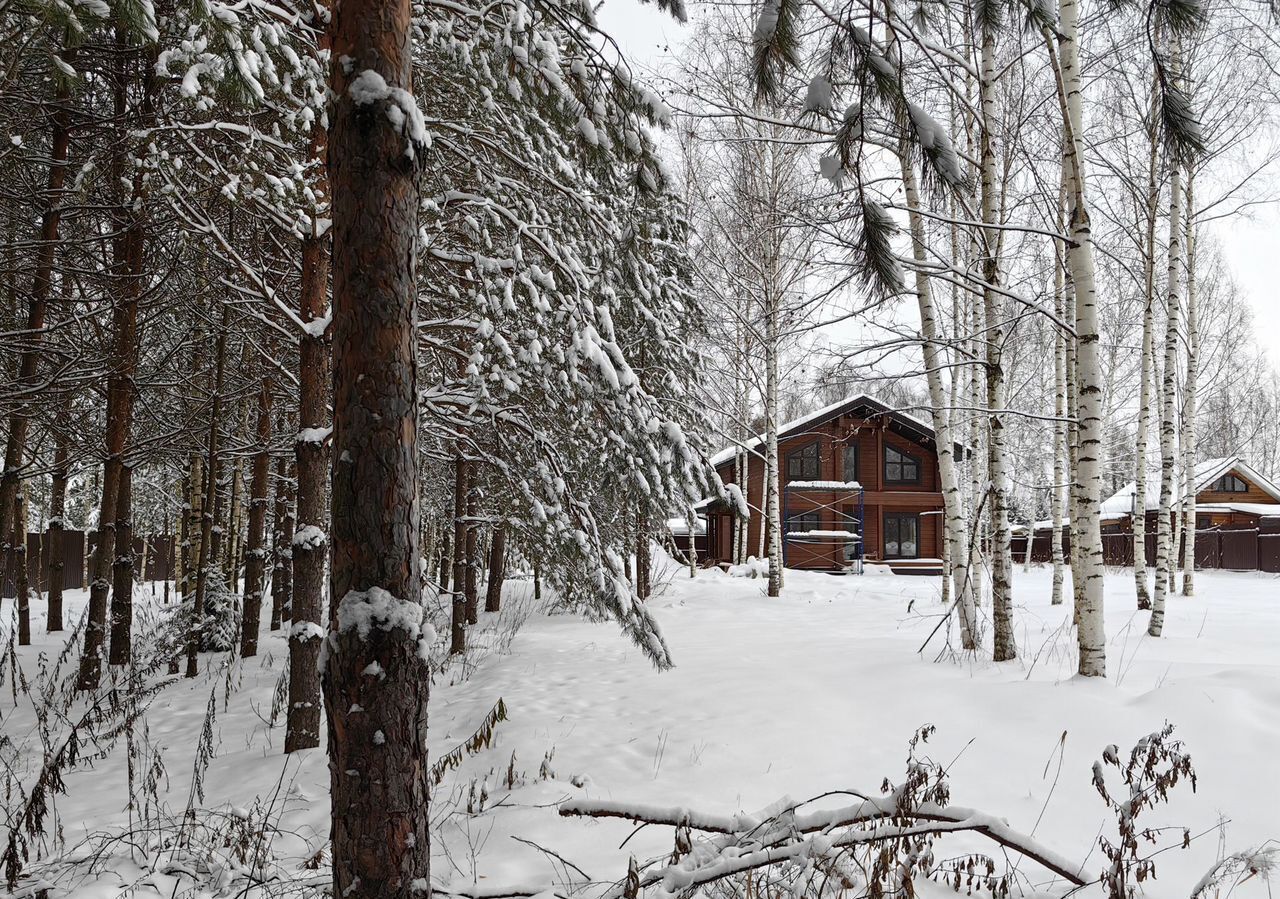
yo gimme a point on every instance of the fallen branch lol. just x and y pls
(778, 843)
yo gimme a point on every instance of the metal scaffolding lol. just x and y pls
(844, 493)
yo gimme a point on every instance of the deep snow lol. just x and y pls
(818, 690)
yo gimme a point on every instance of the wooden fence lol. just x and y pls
(77, 555)
(1230, 549)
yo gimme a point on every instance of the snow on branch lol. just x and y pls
(898, 826)
(777, 835)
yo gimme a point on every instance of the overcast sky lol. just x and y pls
(1252, 244)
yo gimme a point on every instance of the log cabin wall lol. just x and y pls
(1255, 494)
(869, 438)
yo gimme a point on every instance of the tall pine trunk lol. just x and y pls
(458, 625)
(376, 678)
(497, 569)
(56, 573)
(122, 573)
(21, 584)
(19, 424)
(310, 541)
(255, 557)
(471, 584)
(208, 557)
(128, 256)
(281, 549)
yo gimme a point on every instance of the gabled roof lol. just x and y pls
(1206, 472)
(868, 407)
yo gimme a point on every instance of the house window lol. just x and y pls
(849, 521)
(849, 467)
(1229, 483)
(901, 535)
(1203, 522)
(899, 468)
(800, 522)
(804, 464)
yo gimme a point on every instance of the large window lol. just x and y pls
(849, 467)
(849, 522)
(804, 464)
(1229, 483)
(800, 522)
(899, 468)
(901, 535)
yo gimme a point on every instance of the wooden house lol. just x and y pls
(859, 480)
(1230, 494)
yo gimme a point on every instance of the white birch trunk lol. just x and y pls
(1165, 531)
(1005, 646)
(1087, 535)
(952, 504)
(1189, 400)
(771, 444)
(1147, 377)
(1058, 502)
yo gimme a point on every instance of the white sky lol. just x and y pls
(1251, 243)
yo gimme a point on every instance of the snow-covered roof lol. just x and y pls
(822, 485)
(1120, 503)
(818, 416)
(1264, 510)
(679, 527)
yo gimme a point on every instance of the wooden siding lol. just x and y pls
(834, 439)
(1255, 494)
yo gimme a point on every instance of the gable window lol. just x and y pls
(804, 464)
(1229, 483)
(899, 468)
(901, 535)
(849, 467)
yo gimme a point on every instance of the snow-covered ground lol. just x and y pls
(816, 691)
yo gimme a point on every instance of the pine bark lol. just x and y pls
(643, 587)
(309, 545)
(21, 584)
(497, 570)
(208, 558)
(19, 424)
(377, 723)
(129, 254)
(458, 625)
(122, 572)
(255, 557)
(281, 550)
(471, 585)
(57, 521)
